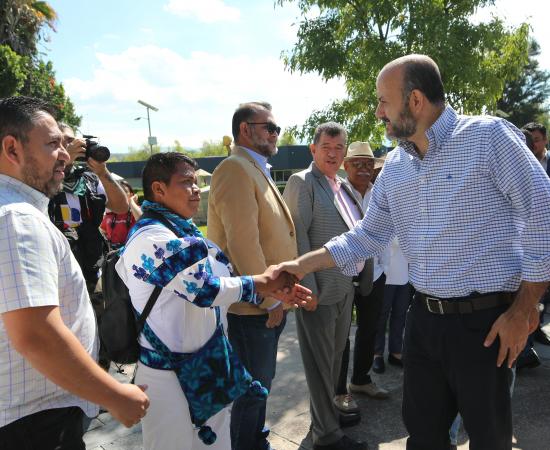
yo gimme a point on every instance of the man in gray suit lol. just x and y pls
(321, 208)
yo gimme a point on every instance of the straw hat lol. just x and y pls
(362, 150)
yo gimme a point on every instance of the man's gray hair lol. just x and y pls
(331, 129)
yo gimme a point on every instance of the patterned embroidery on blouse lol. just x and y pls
(200, 288)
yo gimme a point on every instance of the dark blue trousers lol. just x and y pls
(256, 346)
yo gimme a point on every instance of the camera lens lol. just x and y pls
(97, 152)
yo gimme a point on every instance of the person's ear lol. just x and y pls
(12, 149)
(416, 101)
(312, 148)
(244, 130)
(159, 190)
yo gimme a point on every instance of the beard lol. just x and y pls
(41, 180)
(406, 126)
(263, 146)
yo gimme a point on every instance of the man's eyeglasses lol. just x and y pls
(362, 164)
(270, 127)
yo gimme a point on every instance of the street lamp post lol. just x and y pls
(152, 140)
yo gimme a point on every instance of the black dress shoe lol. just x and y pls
(541, 337)
(394, 361)
(378, 365)
(528, 361)
(345, 443)
(349, 419)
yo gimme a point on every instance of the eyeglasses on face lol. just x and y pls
(362, 164)
(270, 127)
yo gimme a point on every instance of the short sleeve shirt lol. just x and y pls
(37, 268)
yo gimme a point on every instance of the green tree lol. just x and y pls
(287, 138)
(211, 148)
(40, 82)
(12, 71)
(177, 147)
(22, 72)
(136, 154)
(525, 98)
(354, 39)
(22, 23)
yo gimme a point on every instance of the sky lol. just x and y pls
(196, 60)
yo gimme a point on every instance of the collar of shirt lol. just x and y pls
(437, 134)
(261, 160)
(23, 192)
(544, 160)
(363, 199)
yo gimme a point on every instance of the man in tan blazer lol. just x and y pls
(248, 219)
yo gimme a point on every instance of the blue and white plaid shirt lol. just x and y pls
(472, 216)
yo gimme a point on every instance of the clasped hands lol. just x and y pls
(284, 286)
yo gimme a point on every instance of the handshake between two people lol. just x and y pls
(284, 286)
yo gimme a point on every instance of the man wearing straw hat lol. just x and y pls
(359, 165)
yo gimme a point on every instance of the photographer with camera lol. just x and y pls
(77, 210)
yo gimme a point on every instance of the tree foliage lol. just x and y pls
(136, 154)
(287, 138)
(525, 99)
(22, 23)
(210, 148)
(12, 72)
(354, 39)
(22, 71)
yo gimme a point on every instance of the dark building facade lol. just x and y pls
(288, 160)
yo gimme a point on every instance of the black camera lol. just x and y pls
(94, 150)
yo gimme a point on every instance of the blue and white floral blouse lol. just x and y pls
(195, 275)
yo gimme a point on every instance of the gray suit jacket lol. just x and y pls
(318, 218)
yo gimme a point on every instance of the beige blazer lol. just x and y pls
(248, 219)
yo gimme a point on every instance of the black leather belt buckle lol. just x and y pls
(434, 305)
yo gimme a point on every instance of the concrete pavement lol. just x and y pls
(381, 425)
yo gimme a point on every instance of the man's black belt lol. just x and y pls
(464, 305)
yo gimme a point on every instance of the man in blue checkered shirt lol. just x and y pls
(470, 206)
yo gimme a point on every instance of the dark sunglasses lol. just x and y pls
(270, 127)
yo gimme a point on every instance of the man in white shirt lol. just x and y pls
(359, 165)
(48, 341)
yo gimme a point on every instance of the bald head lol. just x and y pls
(417, 72)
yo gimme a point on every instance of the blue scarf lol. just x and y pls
(185, 227)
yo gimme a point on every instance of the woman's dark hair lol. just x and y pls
(125, 184)
(161, 167)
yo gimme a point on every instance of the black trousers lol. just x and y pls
(52, 429)
(367, 310)
(448, 370)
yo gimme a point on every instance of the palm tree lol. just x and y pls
(21, 24)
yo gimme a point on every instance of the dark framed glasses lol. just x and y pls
(270, 127)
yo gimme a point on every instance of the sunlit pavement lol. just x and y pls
(381, 425)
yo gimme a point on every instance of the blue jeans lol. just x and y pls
(256, 346)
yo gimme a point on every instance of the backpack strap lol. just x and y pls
(157, 290)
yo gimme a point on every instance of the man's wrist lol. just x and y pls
(275, 305)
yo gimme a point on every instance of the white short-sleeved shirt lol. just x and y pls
(37, 268)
